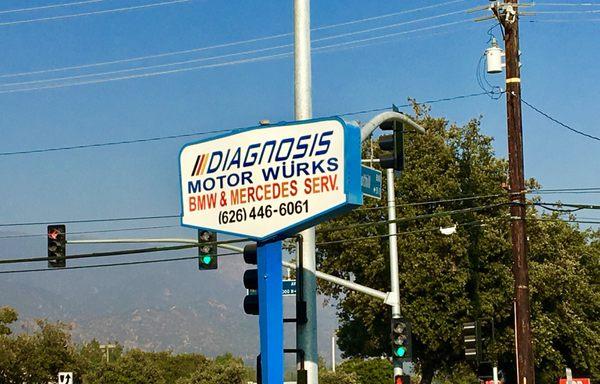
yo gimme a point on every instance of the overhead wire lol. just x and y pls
(402, 233)
(559, 122)
(155, 217)
(67, 79)
(128, 229)
(113, 10)
(192, 134)
(573, 4)
(412, 218)
(563, 12)
(230, 44)
(115, 219)
(61, 5)
(127, 263)
(126, 251)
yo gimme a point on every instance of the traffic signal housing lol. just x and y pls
(57, 246)
(251, 280)
(207, 250)
(402, 379)
(401, 340)
(392, 145)
(472, 341)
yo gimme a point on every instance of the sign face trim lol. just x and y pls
(270, 182)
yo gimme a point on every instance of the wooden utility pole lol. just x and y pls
(524, 350)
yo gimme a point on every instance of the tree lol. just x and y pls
(36, 358)
(447, 280)
(224, 370)
(371, 371)
(7, 316)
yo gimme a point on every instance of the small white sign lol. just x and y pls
(265, 181)
(65, 377)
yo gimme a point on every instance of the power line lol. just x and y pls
(102, 254)
(184, 135)
(89, 220)
(440, 201)
(425, 230)
(387, 15)
(126, 251)
(562, 21)
(142, 68)
(150, 74)
(566, 12)
(565, 220)
(559, 122)
(139, 58)
(137, 218)
(576, 207)
(7, 23)
(568, 4)
(155, 261)
(51, 6)
(224, 45)
(412, 218)
(565, 190)
(191, 61)
(113, 143)
(95, 232)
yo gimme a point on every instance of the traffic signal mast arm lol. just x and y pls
(386, 297)
(367, 129)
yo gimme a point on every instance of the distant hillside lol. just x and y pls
(154, 307)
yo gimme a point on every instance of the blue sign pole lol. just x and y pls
(270, 306)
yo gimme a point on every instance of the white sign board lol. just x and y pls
(271, 181)
(65, 377)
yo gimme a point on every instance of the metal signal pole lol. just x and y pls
(523, 348)
(393, 244)
(306, 334)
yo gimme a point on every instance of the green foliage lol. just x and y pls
(338, 377)
(7, 316)
(447, 280)
(371, 371)
(37, 357)
(224, 370)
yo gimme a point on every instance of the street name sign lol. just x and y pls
(289, 287)
(371, 182)
(270, 182)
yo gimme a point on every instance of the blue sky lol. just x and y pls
(559, 76)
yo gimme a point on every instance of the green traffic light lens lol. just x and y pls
(400, 351)
(206, 259)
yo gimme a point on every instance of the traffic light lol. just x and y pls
(393, 145)
(57, 246)
(251, 280)
(402, 379)
(401, 340)
(472, 341)
(207, 250)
